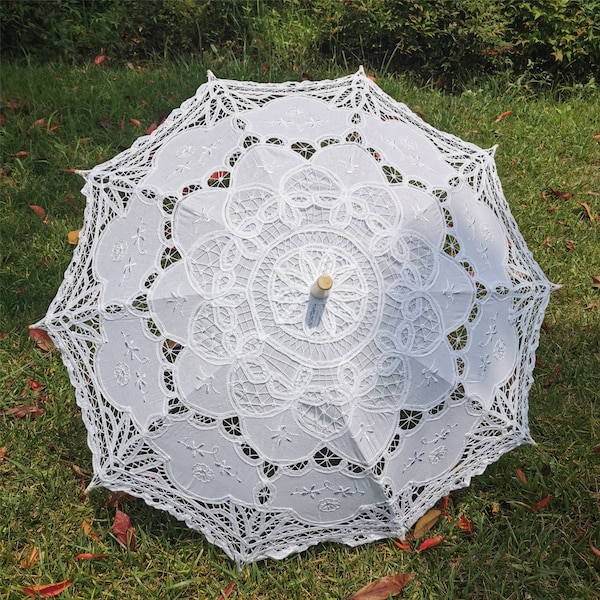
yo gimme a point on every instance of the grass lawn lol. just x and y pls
(58, 118)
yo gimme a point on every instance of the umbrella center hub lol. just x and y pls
(313, 294)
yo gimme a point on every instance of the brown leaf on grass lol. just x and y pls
(88, 556)
(571, 245)
(31, 559)
(87, 529)
(426, 522)
(402, 545)
(135, 122)
(20, 412)
(38, 210)
(73, 237)
(596, 136)
(114, 498)
(505, 114)
(227, 591)
(42, 339)
(596, 282)
(521, 476)
(2, 453)
(587, 207)
(123, 530)
(47, 591)
(383, 588)
(594, 549)
(560, 194)
(99, 59)
(152, 127)
(541, 504)
(431, 542)
(465, 524)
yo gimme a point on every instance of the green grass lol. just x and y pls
(513, 552)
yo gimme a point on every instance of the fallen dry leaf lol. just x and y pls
(541, 504)
(38, 210)
(505, 114)
(20, 412)
(596, 136)
(31, 559)
(560, 194)
(383, 588)
(113, 499)
(88, 556)
(465, 524)
(135, 122)
(73, 237)
(445, 503)
(596, 282)
(42, 339)
(426, 522)
(594, 549)
(587, 207)
(431, 542)
(2, 453)
(99, 59)
(123, 530)
(227, 591)
(87, 529)
(152, 127)
(521, 476)
(47, 591)
(402, 545)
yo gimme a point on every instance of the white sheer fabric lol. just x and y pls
(214, 385)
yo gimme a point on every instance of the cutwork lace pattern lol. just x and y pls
(215, 386)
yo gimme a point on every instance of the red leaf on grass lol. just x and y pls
(123, 530)
(88, 556)
(541, 504)
(20, 412)
(445, 503)
(21, 154)
(135, 122)
(99, 59)
(594, 549)
(227, 591)
(2, 453)
(402, 545)
(42, 339)
(431, 543)
(465, 524)
(383, 588)
(152, 127)
(34, 385)
(47, 591)
(521, 476)
(38, 210)
(505, 114)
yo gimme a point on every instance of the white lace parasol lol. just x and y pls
(298, 313)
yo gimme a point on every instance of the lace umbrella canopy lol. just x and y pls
(298, 313)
